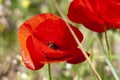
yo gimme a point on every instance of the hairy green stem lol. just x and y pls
(49, 71)
(107, 44)
(108, 61)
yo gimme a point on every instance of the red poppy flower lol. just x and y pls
(95, 14)
(45, 38)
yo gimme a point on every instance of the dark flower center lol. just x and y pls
(52, 45)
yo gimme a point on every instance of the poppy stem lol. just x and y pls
(77, 40)
(107, 44)
(108, 61)
(49, 71)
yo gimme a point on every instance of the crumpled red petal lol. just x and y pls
(110, 12)
(95, 14)
(50, 55)
(77, 58)
(63, 38)
(53, 30)
(37, 33)
(28, 59)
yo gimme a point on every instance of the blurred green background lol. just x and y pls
(14, 12)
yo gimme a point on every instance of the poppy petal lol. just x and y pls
(56, 31)
(50, 55)
(45, 38)
(110, 12)
(82, 11)
(36, 58)
(23, 34)
(78, 57)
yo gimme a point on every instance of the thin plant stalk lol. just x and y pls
(108, 61)
(77, 40)
(49, 71)
(107, 44)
